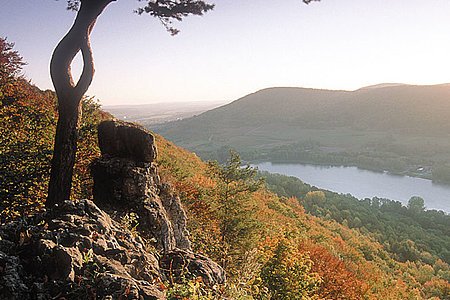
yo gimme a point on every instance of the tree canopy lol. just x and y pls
(164, 10)
(11, 62)
(416, 204)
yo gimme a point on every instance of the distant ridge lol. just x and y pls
(155, 113)
(387, 85)
(393, 118)
(387, 106)
(382, 85)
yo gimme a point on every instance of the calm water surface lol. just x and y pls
(366, 184)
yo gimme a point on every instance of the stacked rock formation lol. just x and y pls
(126, 181)
(82, 249)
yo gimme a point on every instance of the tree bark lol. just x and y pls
(69, 96)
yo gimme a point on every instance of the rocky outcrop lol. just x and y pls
(128, 183)
(91, 250)
(75, 251)
(123, 186)
(177, 215)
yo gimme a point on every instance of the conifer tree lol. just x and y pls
(236, 183)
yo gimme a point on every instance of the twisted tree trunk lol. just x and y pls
(69, 96)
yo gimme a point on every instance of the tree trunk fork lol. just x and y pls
(69, 96)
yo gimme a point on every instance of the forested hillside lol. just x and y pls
(398, 108)
(272, 233)
(269, 245)
(398, 128)
(407, 232)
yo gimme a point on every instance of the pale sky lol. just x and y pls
(242, 46)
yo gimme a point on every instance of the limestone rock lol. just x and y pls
(123, 186)
(177, 215)
(74, 252)
(126, 140)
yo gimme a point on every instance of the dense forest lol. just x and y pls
(301, 244)
(410, 233)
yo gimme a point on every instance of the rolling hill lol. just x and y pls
(406, 121)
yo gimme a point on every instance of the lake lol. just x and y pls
(366, 184)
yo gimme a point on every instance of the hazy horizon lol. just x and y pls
(223, 102)
(242, 47)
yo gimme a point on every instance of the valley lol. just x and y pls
(267, 163)
(402, 129)
(159, 113)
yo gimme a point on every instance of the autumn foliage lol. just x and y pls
(270, 247)
(27, 126)
(296, 253)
